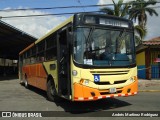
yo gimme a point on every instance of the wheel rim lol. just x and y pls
(52, 90)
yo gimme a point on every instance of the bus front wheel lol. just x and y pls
(51, 91)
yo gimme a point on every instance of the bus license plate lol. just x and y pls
(112, 90)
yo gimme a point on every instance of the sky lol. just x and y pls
(39, 26)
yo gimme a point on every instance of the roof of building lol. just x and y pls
(12, 41)
(154, 41)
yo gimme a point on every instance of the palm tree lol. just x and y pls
(140, 33)
(120, 9)
(135, 10)
(139, 11)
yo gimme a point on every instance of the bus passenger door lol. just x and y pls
(63, 64)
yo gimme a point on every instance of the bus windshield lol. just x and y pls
(104, 47)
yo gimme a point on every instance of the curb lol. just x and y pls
(148, 90)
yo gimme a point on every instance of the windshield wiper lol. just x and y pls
(88, 40)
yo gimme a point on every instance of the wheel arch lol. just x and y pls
(50, 77)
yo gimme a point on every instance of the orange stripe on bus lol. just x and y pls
(26, 48)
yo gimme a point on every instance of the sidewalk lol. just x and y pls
(148, 85)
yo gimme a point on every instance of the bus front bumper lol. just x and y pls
(84, 93)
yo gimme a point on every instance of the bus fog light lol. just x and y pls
(86, 82)
(74, 73)
(128, 91)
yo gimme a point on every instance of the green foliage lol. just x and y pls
(135, 10)
(119, 9)
(139, 11)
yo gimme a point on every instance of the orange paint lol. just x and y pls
(81, 91)
(36, 75)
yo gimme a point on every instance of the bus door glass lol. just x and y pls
(63, 64)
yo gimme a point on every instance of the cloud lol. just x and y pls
(153, 29)
(35, 26)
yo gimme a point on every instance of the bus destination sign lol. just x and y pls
(112, 22)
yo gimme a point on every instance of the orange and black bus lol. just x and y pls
(87, 57)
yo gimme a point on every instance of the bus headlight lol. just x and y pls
(74, 73)
(86, 82)
(131, 80)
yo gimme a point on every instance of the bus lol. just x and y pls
(88, 57)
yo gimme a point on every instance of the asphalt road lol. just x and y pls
(15, 97)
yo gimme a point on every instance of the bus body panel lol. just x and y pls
(93, 91)
(51, 69)
(83, 93)
(37, 74)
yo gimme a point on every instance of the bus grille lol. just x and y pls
(108, 83)
(109, 72)
(106, 92)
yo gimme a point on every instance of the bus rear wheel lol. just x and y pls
(51, 91)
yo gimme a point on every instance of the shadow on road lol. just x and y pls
(85, 107)
(92, 106)
(36, 90)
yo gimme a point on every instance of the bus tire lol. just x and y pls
(51, 91)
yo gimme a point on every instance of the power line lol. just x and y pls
(64, 7)
(57, 14)
(81, 4)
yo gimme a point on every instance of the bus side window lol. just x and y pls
(33, 54)
(51, 48)
(40, 51)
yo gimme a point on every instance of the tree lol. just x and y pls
(140, 33)
(120, 9)
(139, 11)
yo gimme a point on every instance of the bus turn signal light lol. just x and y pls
(81, 81)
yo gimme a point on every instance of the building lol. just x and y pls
(12, 41)
(148, 59)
